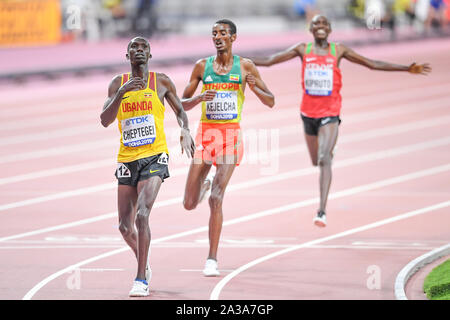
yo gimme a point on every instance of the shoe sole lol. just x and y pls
(211, 274)
(139, 295)
(320, 224)
(215, 273)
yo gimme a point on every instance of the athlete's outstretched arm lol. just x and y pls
(188, 100)
(256, 84)
(282, 56)
(186, 141)
(352, 56)
(115, 94)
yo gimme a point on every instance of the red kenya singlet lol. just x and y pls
(322, 82)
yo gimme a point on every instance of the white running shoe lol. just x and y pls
(210, 269)
(140, 289)
(321, 219)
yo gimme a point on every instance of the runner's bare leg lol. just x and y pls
(313, 147)
(194, 182)
(126, 199)
(327, 138)
(220, 182)
(147, 192)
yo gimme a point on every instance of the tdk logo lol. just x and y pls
(138, 120)
(223, 95)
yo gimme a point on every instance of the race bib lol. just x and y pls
(138, 131)
(318, 80)
(163, 159)
(224, 106)
(122, 171)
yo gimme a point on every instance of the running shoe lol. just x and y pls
(210, 269)
(321, 219)
(140, 289)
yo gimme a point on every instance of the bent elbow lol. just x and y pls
(104, 123)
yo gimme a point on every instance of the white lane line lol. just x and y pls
(395, 108)
(200, 270)
(57, 171)
(398, 109)
(36, 288)
(235, 246)
(100, 269)
(73, 193)
(72, 106)
(59, 195)
(255, 182)
(61, 226)
(61, 150)
(49, 135)
(44, 121)
(265, 213)
(60, 247)
(56, 151)
(219, 287)
(251, 158)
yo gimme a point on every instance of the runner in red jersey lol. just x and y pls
(321, 102)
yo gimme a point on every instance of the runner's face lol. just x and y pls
(320, 28)
(139, 51)
(221, 36)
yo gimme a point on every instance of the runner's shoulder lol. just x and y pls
(115, 83)
(201, 62)
(247, 62)
(164, 80)
(299, 48)
(199, 65)
(117, 79)
(162, 76)
(341, 47)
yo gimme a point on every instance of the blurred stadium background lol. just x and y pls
(50, 37)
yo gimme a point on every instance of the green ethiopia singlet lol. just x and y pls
(226, 107)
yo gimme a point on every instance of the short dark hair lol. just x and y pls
(230, 23)
(138, 37)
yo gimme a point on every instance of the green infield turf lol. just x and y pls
(437, 283)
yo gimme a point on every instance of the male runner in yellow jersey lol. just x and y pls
(321, 102)
(219, 139)
(136, 100)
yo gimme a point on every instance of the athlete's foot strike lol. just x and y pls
(321, 219)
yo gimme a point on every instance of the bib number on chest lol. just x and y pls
(224, 106)
(318, 80)
(138, 131)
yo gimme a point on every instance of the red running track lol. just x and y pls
(389, 200)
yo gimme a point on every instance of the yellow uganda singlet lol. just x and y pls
(141, 122)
